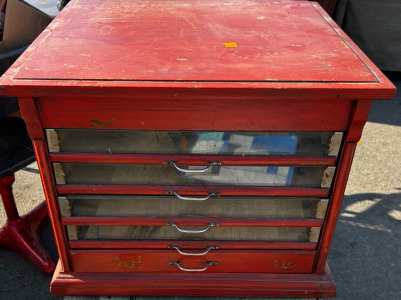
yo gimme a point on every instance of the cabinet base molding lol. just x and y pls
(194, 284)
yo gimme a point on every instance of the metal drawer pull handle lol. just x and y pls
(191, 230)
(192, 198)
(192, 253)
(176, 263)
(213, 163)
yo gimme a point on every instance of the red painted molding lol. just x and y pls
(196, 160)
(161, 221)
(189, 190)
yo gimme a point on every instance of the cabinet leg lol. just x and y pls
(22, 234)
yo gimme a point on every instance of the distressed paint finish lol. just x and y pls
(188, 50)
(149, 53)
(154, 261)
(195, 65)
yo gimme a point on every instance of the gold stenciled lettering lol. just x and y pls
(117, 261)
(128, 262)
(283, 265)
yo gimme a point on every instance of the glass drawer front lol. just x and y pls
(277, 234)
(194, 142)
(171, 261)
(165, 206)
(93, 173)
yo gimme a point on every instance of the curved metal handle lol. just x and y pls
(191, 230)
(196, 253)
(213, 163)
(192, 198)
(176, 263)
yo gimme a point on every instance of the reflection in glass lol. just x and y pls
(193, 142)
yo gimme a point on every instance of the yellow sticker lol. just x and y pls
(359, 143)
(231, 45)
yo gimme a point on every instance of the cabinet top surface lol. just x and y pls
(229, 41)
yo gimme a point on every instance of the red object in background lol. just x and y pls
(2, 17)
(22, 234)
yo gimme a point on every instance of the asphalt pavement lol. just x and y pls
(366, 248)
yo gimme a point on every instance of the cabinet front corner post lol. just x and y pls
(46, 174)
(31, 114)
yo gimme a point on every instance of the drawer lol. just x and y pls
(153, 174)
(323, 143)
(210, 232)
(170, 261)
(167, 206)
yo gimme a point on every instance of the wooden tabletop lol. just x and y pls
(213, 43)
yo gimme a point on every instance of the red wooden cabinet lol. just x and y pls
(194, 148)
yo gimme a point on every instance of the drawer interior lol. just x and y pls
(171, 206)
(219, 233)
(323, 143)
(102, 173)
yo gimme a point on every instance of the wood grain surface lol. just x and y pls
(195, 41)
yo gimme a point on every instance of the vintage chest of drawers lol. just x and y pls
(194, 147)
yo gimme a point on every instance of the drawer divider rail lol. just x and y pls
(188, 244)
(222, 222)
(195, 160)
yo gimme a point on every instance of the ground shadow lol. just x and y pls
(366, 248)
(387, 112)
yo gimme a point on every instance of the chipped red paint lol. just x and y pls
(198, 65)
